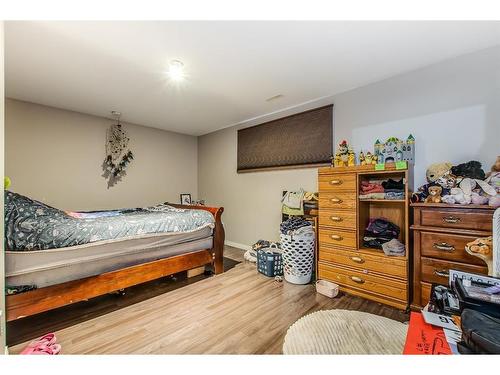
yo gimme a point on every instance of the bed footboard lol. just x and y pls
(219, 233)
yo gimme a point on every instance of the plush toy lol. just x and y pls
(483, 249)
(362, 160)
(434, 194)
(437, 170)
(493, 177)
(448, 181)
(471, 169)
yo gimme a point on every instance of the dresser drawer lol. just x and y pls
(366, 282)
(337, 218)
(338, 200)
(436, 271)
(392, 266)
(338, 237)
(337, 182)
(448, 247)
(457, 218)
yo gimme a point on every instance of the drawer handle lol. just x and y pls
(357, 259)
(336, 200)
(442, 273)
(335, 218)
(451, 219)
(336, 237)
(336, 182)
(443, 246)
(358, 280)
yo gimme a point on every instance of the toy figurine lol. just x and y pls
(362, 160)
(337, 161)
(343, 153)
(368, 158)
(351, 159)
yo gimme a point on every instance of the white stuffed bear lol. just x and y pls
(464, 194)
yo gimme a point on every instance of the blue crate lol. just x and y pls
(269, 262)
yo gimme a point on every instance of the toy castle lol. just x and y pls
(394, 149)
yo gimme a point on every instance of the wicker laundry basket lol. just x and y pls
(298, 257)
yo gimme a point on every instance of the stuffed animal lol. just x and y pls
(437, 170)
(434, 194)
(471, 169)
(483, 249)
(448, 181)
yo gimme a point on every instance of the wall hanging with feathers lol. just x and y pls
(118, 155)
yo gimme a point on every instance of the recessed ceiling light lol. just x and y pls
(176, 70)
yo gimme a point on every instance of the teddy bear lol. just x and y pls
(434, 194)
(482, 248)
(437, 170)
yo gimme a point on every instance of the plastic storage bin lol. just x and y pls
(298, 257)
(270, 261)
(327, 288)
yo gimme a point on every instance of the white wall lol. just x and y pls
(452, 108)
(56, 156)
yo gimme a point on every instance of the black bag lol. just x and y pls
(480, 333)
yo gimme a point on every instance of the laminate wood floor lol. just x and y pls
(237, 312)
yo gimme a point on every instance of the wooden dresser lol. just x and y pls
(440, 233)
(343, 217)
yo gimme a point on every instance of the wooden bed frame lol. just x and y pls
(54, 296)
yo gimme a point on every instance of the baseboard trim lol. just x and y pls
(237, 245)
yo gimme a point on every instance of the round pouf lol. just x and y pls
(345, 332)
(298, 257)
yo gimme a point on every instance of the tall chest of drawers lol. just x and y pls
(343, 217)
(440, 233)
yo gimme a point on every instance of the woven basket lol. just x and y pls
(298, 257)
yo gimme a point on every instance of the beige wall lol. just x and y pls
(251, 201)
(2, 271)
(56, 156)
(452, 108)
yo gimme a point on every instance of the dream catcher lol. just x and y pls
(118, 156)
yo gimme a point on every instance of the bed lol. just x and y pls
(73, 256)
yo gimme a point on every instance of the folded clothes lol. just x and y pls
(391, 184)
(375, 242)
(370, 187)
(393, 248)
(372, 196)
(394, 195)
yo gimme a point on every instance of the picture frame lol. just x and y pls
(186, 198)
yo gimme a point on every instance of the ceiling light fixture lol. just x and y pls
(176, 70)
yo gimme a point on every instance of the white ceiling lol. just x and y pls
(233, 67)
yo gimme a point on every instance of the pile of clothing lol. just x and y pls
(296, 225)
(294, 202)
(382, 234)
(382, 189)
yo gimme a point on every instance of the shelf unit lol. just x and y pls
(343, 217)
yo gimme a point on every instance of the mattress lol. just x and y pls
(53, 266)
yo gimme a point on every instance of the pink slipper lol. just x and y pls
(53, 349)
(45, 340)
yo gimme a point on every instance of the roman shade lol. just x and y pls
(303, 139)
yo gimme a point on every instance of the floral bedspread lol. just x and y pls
(32, 225)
